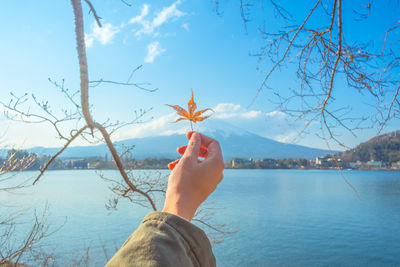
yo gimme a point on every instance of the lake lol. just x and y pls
(281, 217)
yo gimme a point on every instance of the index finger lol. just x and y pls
(193, 148)
(214, 149)
(214, 158)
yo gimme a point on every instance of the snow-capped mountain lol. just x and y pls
(235, 142)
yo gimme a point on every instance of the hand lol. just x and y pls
(191, 180)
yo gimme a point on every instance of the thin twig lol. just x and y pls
(284, 54)
(46, 166)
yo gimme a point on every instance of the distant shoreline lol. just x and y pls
(146, 169)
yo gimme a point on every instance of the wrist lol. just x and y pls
(180, 208)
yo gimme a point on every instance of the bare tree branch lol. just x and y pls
(137, 85)
(46, 166)
(94, 13)
(277, 64)
(323, 57)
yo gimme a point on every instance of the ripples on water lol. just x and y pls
(283, 217)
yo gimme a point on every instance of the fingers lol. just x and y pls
(193, 148)
(203, 151)
(201, 146)
(214, 155)
(172, 165)
(214, 150)
(205, 140)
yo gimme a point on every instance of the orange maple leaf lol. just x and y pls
(190, 114)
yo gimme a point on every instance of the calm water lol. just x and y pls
(282, 217)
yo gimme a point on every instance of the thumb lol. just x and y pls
(193, 148)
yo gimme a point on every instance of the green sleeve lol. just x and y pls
(163, 239)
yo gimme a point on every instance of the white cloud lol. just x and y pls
(149, 26)
(167, 13)
(89, 39)
(186, 26)
(104, 35)
(289, 138)
(231, 111)
(153, 49)
(143, 13)
(19, 135)
(226, 108)
(161, 126)
(271, 125)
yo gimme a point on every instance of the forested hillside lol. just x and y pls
(385, 148)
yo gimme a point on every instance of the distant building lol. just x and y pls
(321, 161)
(374, 164)
(93, 165)
(355, 165)
(268, 163)
(328, 161)
(396, 165)
(242, 163)
(77, 163)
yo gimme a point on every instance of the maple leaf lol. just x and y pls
(190, 114)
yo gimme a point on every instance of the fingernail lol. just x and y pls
(170, 166)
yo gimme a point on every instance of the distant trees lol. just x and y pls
(35, 162)
(289, 163)
(385, 148)
(21, 160)
(16, 160)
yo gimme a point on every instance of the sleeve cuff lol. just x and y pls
(196, 239)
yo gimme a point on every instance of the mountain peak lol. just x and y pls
(219, 128)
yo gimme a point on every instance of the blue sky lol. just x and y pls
(181, 44)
